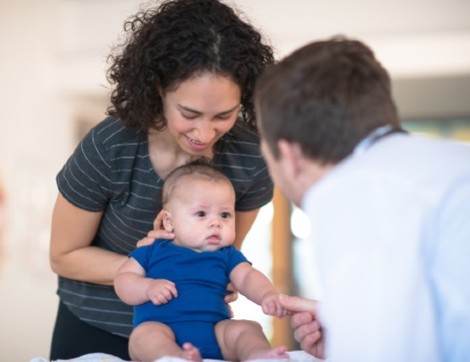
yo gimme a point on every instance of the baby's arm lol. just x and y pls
(134, 288)
(258, 288)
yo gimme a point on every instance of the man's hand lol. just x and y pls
(307, 329)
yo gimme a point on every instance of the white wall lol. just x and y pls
(52, 68)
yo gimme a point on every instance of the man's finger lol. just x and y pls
(297, 304)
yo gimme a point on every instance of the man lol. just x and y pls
(389, 211)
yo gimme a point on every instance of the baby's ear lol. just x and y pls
(167, 221)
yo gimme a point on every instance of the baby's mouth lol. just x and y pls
(214, 239)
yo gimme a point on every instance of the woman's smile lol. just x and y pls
(196, 145)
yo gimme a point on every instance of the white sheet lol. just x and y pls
(295, 356)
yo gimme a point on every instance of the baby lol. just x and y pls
(178, 286)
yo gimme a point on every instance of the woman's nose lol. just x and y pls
(205, 132)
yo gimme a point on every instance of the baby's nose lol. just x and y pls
(215, 222)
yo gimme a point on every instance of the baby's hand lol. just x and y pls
(271, 305)
(161, 291)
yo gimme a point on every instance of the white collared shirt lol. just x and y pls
(391, 229)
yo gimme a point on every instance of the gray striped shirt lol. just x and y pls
(110, 171)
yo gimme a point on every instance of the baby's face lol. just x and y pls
(202, 214)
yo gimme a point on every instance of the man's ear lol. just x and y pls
(291, 157)
(167, 221)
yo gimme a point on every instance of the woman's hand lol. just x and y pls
(158, 232)
(307, 329)
(232, 296)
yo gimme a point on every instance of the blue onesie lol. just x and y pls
(201, 280)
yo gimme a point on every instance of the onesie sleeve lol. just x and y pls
(235, 257)
(142, 255)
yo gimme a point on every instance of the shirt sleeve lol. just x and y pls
(85, 180)
(260, 192)
(239, 156)
(450, 271)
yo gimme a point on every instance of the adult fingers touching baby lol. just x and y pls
(158, 232)
(153, 235)
(274, 309)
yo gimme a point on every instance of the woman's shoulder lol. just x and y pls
(242, 134)
(112, 131)
(239, 152)
(241, 142)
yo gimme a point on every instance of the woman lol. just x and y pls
(183, 88)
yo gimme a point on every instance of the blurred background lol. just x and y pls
(53, 89)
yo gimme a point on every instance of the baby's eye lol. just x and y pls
(225, 215)
(201, 213)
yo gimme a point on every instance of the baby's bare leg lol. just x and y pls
(242, 340)
(152, 340)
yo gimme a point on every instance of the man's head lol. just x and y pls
(199, 205)
(326, 96)
(323, 99)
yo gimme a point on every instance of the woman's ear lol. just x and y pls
(167, 221)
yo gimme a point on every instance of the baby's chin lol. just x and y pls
(214, 246)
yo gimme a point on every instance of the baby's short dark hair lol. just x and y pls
(200, 168)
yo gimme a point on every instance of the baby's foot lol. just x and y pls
(191, 353)
(271, 353)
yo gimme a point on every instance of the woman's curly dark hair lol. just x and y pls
(175, 41)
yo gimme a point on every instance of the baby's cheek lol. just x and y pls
(231, 236)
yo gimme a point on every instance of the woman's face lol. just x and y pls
(200, 111)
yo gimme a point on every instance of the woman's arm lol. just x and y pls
(71, 253)
(243, 222)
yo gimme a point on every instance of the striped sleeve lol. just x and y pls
(85, 180)
(241, 160)
(260, 191)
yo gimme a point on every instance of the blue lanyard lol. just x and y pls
(376, 135)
